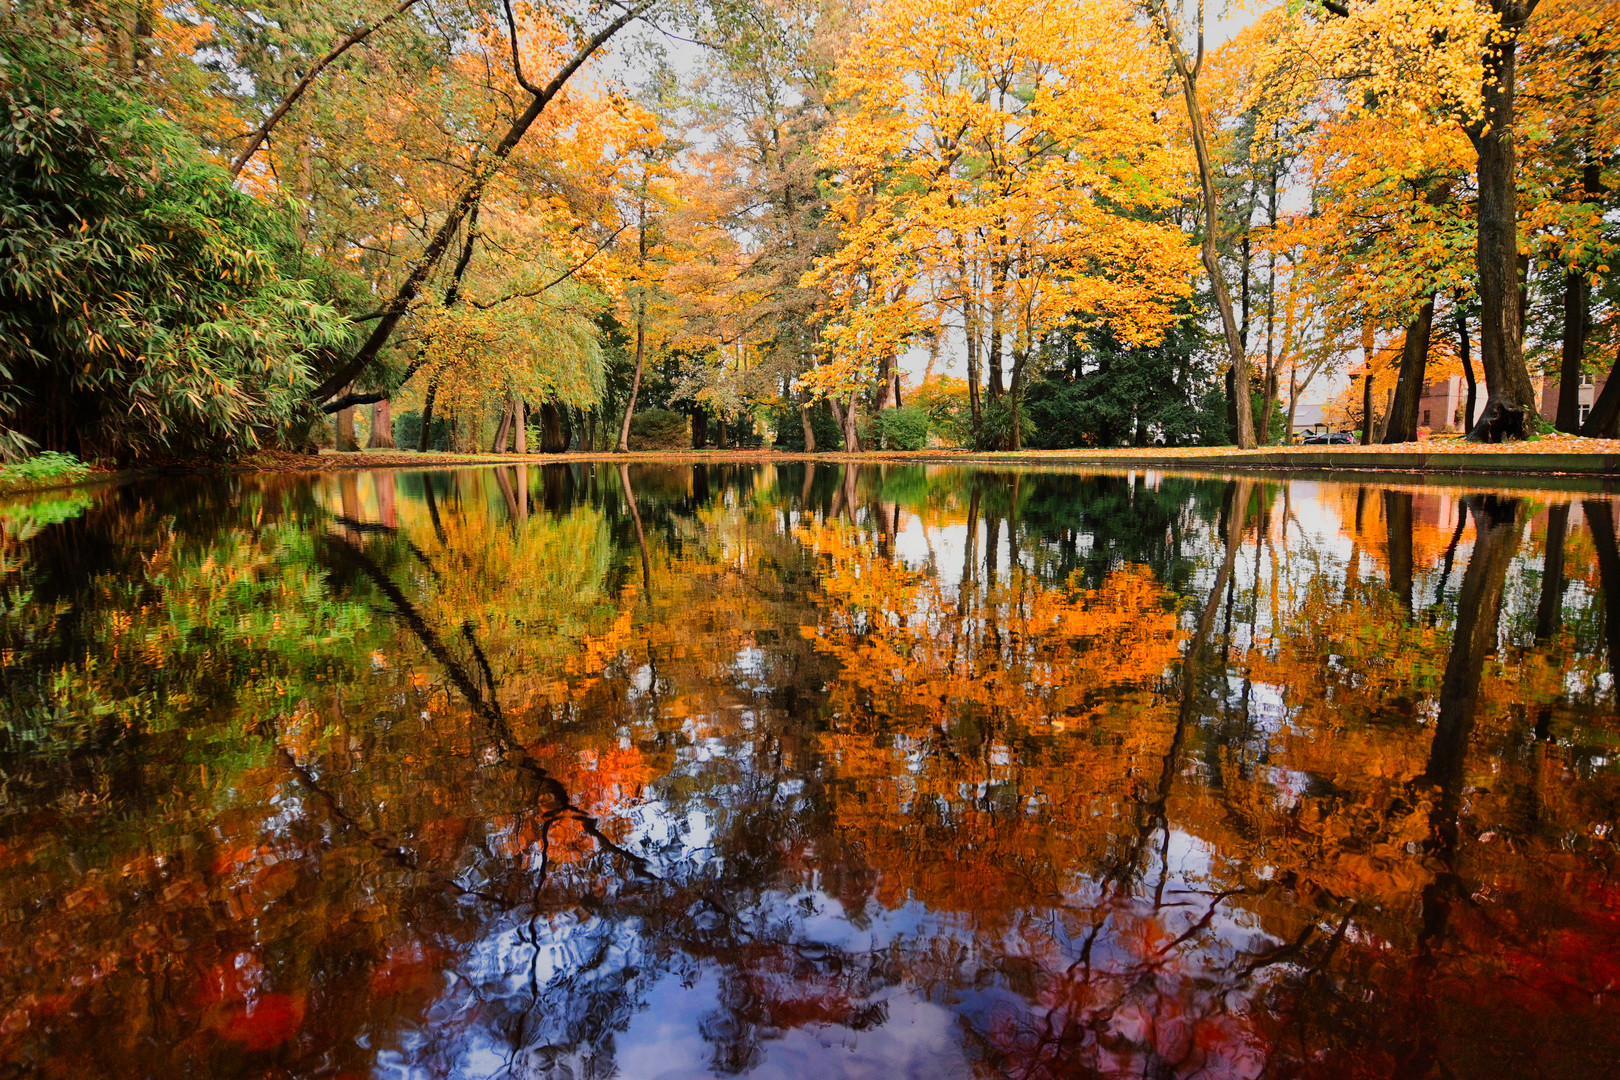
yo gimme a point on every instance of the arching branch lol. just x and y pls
(258, 137)
(435, 249)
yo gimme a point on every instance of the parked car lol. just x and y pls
(1327, 438)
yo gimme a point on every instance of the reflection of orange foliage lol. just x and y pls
(234, 1004)
(1037, 653)
(984, 724)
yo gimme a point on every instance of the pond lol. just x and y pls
(795, 770)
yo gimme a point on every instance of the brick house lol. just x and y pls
(1442, 404)
(1590, 389)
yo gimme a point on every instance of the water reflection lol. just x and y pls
(787, 771)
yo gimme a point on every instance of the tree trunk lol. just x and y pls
(1510, 400)
(258, 137)
(809, 429)
(503, 429)
(346, 441)
(724, 440)
(1466, 350)
(551, 433)
(382, 426)
(700, 428)
(520, 430)
(1603, 422)
(641, 321)
(427, 415)
(852, 439)
(1402, 423)
(1367, 409)
(998, 278)
(970, 328)
(886, 375)
(1577, 315)
(1237, 354)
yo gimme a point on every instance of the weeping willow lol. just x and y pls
(542, 349)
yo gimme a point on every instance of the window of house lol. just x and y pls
(1586, 380)
(1425, 417)
(1585, 410)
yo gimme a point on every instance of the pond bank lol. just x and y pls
(1543, 457)
(1595, 459)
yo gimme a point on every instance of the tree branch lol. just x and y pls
(435, 249)
(558, 280)
(258, 138)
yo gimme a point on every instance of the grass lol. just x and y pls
(43, 470)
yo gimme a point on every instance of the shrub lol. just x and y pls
(950, 412)
(790, 429)
(50, 466)
(659, 429)
(898, 429)
(146, 306)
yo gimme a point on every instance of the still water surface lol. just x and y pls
(788, 771)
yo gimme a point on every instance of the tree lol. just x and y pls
(1004, 178)
(1187, 72)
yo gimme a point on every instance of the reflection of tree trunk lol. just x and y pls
(1398, 523)
(384, 480)
(1479, 608)
(433, 507)
(992, 540)
(804, 490)
(522, 491)
(1152, 813)
(965, 587)
(507, 493)
(700, 486)
(1550, 607)
(486, 707)
(1451, 554)
(848, 492)
(635, 516)
(1600, 520)
(349, 495)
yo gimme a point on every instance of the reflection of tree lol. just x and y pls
(1130, 779)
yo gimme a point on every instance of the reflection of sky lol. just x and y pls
(521, 997)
